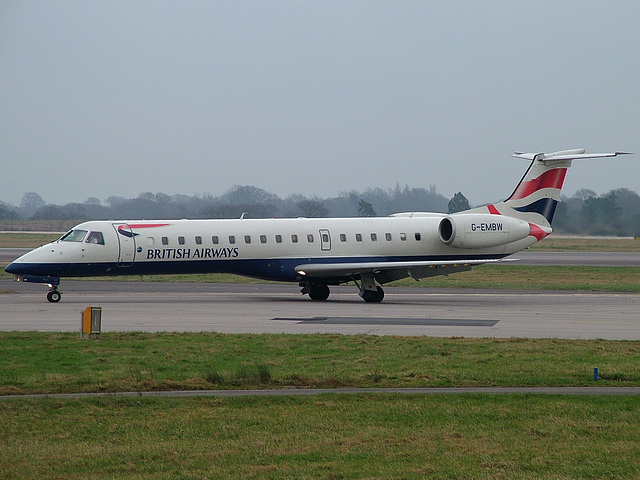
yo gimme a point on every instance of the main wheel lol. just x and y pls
(319, 291)
(54, 296)
(370, 296)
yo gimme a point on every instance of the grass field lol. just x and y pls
(587, 244)
(35, 362)
(326, 436)
(26, 240)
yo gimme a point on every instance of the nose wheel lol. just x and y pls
(54, 295)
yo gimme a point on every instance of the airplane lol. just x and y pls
(316, 253)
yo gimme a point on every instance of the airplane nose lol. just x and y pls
(27, 264)
(13, 268)
(10, 268)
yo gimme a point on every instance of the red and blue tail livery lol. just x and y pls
(315, 253)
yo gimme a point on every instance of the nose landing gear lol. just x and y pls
(54, 294)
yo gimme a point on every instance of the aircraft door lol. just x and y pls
(325, 240)
(126, 244)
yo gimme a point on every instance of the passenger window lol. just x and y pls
(374, 237)
(418, 236)
(151, 241)
(263, 239)
(96, 238)
(294, 238)
(343, 237)
(181, 240)
(165, 241)
(403, 237)
(325, 237)
(247, 239)
(198, 240)
(387, 236)
(278, 238)
(215, 240)
(232, 239)
(309, 238)
(358, 237)
(74, 236)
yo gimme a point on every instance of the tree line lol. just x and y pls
(250, 201)
(585, 213)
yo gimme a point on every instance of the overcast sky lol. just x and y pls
(121, 97)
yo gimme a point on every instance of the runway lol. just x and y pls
(154, 307)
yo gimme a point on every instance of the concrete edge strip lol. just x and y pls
(629, 391)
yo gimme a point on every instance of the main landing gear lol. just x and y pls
(316, 291)
(369, 291)
(370, 296)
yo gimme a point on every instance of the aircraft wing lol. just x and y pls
(385, 272)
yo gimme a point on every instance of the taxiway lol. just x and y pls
(153, 307)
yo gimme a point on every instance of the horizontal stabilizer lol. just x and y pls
(575, 154)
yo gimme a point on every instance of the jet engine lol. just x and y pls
(481, 230)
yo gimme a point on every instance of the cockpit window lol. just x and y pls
(95, 237)
(74, 236)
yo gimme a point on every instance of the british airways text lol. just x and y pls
(199, 253)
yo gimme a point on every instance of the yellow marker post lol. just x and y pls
(91, 322)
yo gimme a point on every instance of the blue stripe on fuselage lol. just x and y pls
(279, 269)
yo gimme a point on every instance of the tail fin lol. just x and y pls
(536, 196)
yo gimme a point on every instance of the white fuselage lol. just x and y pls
(262, 248)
